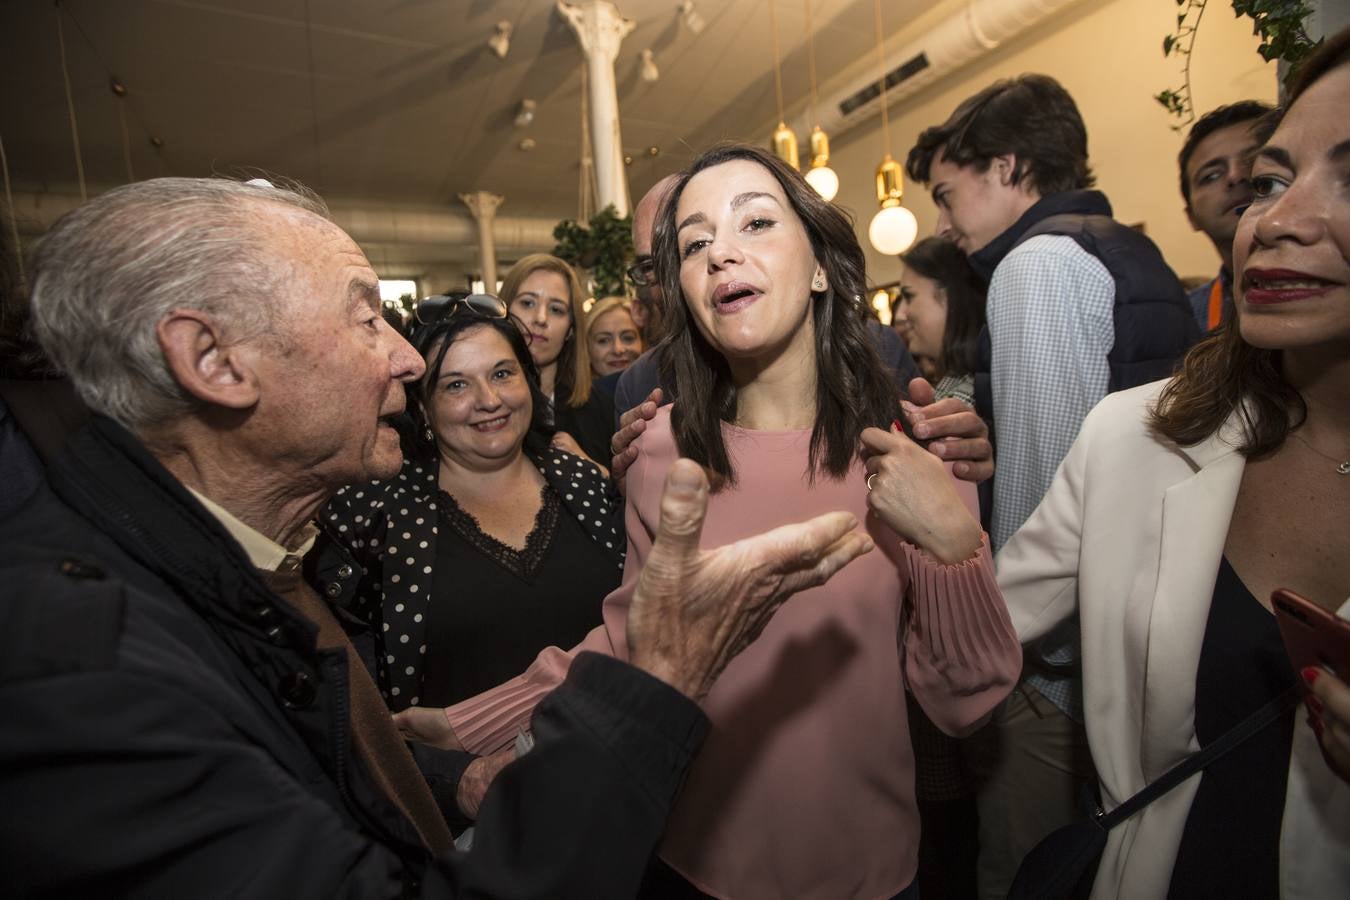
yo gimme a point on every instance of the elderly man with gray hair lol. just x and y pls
(181, 714)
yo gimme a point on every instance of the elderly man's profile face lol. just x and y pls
(328, 396)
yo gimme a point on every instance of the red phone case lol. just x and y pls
(1313, 636)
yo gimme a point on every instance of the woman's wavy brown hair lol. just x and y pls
(1224, 375)
(853, 389)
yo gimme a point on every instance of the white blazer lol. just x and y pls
(1130, 534)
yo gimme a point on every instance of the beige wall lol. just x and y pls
(1108, 54)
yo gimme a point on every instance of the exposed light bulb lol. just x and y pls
(500, 42)
(824, 180)
(525, 114)
(649, 70)
(893, 229)
(692, 19)
(881, 302)
(820, 176)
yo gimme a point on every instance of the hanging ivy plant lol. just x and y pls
(604, 247)
(1279, 24)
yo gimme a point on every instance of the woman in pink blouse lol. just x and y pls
(805, 785)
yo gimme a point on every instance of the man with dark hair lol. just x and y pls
(1216, 166)
(1078, 306)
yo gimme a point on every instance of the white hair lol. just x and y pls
(109, 271)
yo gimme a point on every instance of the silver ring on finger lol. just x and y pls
(869, 481)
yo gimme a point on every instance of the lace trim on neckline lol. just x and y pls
(523, 563)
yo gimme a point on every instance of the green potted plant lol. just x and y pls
(603, 247)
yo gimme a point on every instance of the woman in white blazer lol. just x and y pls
(1239, 465)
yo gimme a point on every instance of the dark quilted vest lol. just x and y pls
(1154, 326)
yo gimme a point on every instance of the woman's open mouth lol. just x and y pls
(734, 296)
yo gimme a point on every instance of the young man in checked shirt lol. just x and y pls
(1079, 306)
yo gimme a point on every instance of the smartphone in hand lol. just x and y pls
(1313, 636)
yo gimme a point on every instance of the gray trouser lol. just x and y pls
(1031, 779)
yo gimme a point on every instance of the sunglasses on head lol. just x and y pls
(435, 309)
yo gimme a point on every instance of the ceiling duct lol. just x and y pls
(972, 32)
(894, 78)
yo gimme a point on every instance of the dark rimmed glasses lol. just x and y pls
(643, 272)
(431, 310)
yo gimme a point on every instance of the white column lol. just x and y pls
(600, 30)
(484, 205)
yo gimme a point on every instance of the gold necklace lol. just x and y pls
(1342, 466)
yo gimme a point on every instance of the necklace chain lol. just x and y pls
(1342, 465)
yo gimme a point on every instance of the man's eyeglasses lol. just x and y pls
(431, 310)
(643, 272)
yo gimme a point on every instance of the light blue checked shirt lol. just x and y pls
(1051, 326)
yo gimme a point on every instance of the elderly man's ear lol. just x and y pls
(203, 364)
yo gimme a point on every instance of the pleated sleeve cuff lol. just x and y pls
(491, 720)
(962, 654)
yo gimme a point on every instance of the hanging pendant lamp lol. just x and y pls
(894, 228)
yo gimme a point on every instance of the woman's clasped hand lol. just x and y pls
(910, 490)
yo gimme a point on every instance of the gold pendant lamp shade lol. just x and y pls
(785, 145)
(820, 148)
(890, 182)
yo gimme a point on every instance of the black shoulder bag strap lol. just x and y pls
(1227, 742)
(1064, 864)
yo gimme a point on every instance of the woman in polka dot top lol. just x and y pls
(489, 545)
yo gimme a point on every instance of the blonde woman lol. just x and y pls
(612, 336)
(544, 294)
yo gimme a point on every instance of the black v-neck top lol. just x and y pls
(1231, 843)
(494, 608)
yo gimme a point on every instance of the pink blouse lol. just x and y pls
(805, 784)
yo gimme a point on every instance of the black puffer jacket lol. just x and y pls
(168, 729)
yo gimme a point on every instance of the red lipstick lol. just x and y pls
(1264, 287)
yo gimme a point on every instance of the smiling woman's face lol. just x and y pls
(614, 341)
(1291, 255)
(924, 305)
(479, 404)
(746, 263)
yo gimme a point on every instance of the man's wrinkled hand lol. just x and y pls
(631, 424)
(477, 778)
(694, 610)
(954, 430)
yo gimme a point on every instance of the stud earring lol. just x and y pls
(818, 284)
